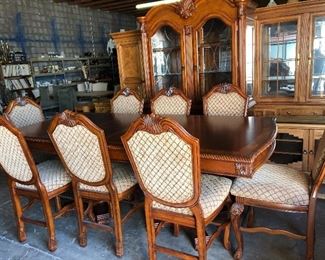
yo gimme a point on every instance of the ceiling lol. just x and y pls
(128, 6)
(122, 6)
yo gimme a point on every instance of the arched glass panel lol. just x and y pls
(166, 58)
(214, 54)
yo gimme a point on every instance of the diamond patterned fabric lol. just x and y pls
(25, 115)
(319, 158)
(52, 175)
(12, 157)
(123, 179)
(231, 104)
(164, 162)
(127, 104)
(214, 190)
(81, 152)
(173, 105)
(274, 183)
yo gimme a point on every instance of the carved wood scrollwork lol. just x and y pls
(188, 30)
(225, 88)
(143, 28)
(126, 92)
(152, 122)
(68, 118)
(241, 169)
(170, 91)
(185, 8)
(21, 101)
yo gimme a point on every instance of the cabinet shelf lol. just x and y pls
(289, 140)
(289, 153)
(166, 49)
(215, 71)
(48, 74)
(17, 77)
(167, 74)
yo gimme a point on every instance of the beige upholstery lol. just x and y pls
(230, 104)
(274, 183)
(81, 152)
(12, 157)
(172, 105)
(127, 104)
(25, 115)
(123, 179)
(214, 190)
(164, 162)
(319, 158)
(52, 175)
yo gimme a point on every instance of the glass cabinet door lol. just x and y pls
(214, 54)
(318, 58)
(279, 59)
(166, 58)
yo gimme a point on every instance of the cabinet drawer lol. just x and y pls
(301, 112)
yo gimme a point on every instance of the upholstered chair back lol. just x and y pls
(24, 111)
(319, 158)
(225, 100)
(81, 146)
(171, 101)
(165, 159)
(127, 101)
(13, 155)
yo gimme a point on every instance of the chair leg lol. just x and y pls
(251, 216)
(19, 213)
(58, 203)
(151, 233)
(116, 213)
(236, 211)
(176, 230)
(52, 243)
(226, 237)
(201, 246)
(80, 217)
(310, 239)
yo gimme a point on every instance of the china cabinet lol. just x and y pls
(194, 45)
(290, 59)
(130, 62)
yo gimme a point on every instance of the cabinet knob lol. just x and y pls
(311, 152)
(304, 152)
(288, 113)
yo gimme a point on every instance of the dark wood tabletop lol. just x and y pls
(231, 146)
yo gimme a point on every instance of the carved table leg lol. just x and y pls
(236, 211)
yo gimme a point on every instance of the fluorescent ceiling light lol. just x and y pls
(151, 4)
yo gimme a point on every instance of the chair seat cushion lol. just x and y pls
(214, 190)
(123, 178)
(274, 183)
(52, 175)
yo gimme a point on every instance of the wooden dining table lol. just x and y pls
(229, 146)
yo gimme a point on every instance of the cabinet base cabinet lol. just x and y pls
(296, 146)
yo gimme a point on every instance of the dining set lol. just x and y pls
(191, 169)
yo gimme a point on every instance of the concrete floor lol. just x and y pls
(100, 244)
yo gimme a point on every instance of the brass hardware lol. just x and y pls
(304, 152)
(311, 152)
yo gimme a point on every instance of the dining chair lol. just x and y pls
(42, 182)
(127, 101)
(82, 148)
(225, 100)
(166, 162)
(281, 188)
(171, 101)
(23, 111)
